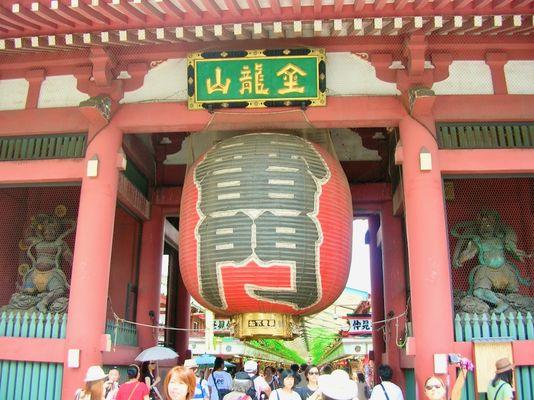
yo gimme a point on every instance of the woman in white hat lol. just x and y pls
(94, 384)
(337, 386)
(500, 388)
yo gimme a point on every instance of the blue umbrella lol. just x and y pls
(205, 360)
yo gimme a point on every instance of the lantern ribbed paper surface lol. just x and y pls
(265, 226)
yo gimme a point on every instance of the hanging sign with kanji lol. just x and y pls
(222, 326)
(359, 324)
(256, 78)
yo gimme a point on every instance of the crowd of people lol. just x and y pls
(304, 382)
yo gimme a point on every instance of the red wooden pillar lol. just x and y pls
(148, 294)
(430, 280)
(394, 284)
(92, 254)
(183, 319)
(377, 291)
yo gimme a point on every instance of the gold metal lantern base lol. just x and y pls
(265, 325)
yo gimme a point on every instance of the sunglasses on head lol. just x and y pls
(436, 386)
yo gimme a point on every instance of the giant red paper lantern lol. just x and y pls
(265, 227)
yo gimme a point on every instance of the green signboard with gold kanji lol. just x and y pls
(256, 78)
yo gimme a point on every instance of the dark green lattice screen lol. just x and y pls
(42, 147)
(485, 135)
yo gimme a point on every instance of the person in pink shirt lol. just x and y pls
(133, 389)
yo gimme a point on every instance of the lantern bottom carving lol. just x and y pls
(265, 325)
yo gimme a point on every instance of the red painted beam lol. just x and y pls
(42, 120)
(15, 19)
(339, 112)
(191, 8)
(212, 8)
(338, 6)
(296, 8)
(254, 7)
(92, 14)
(42, 171)
(317, 8)
(168, 197)
(170, 9)
(30, 16)
(484, 108)
(114, 14)
(366, 193)
(233, 8)
(37, 350)
(487, 161)
(275, 7)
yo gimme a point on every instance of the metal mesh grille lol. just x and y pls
(491, 237)
(37, 226)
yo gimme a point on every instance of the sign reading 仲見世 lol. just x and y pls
(257, 78)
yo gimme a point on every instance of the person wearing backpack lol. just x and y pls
(220, 381)
(241, 386)
(260, 389)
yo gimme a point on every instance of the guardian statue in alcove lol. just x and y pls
(495, 277)
(44, 285)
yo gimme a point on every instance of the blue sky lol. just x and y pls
(359, 277)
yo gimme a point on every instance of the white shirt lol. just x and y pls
(224, 381)
(394, 392)
(280, 394)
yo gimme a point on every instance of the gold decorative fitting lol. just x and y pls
(23, 245)
(23, 269)
(264, 325)
(60, 211)
(224, 54)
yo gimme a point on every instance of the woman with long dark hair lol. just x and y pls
(150, 377)
(500, 388)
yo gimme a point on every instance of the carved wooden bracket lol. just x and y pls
(100, 77)
(414, 73)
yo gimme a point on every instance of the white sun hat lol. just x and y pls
(338, 385)
(190, 363)
(251, 367)
(95, 373)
